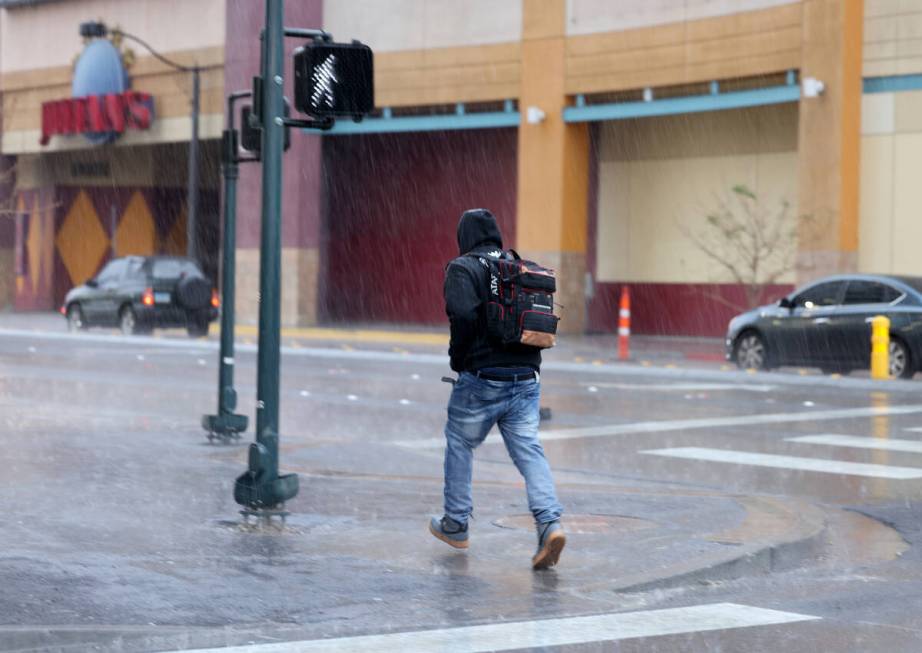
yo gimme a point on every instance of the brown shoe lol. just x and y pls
(551, 541)
(449, 531)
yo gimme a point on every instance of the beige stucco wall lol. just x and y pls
(168, 25)
(892, 37)
(593, 16)
(890, 219)
(891, 142)
(659, 177)
(418, 24)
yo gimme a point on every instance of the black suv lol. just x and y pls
(138, 293)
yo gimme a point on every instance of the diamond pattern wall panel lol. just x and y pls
(81, 241)
(136, 233)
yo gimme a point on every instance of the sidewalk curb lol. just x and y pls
(793, 547)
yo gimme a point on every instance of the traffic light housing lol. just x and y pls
(251, 136)
(334, 79)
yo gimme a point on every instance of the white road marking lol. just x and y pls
(664, 426)
(789, 462)
(542, 633)
(682, 387)
(884, 444)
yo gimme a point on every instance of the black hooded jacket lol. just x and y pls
(466, 284)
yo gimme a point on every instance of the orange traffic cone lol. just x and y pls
(624, 324)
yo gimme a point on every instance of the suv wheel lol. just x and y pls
(75, 320)
(128, 321)
(193, 293)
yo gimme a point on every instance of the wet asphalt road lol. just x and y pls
(104, 459)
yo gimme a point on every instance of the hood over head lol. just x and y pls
(478, 227)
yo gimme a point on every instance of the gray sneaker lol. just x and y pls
(551, 541)
(449, 531)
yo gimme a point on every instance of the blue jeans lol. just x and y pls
(474, 407)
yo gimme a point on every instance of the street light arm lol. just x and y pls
(157, 55)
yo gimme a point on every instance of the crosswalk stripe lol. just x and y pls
(789, 462)
(682, 387)
(855, 442)
(542, 633)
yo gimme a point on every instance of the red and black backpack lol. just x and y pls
(520, 300)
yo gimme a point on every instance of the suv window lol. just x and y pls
(112, 272)
(823, 294)
(870, 292)
(135, 267)
(174, 269)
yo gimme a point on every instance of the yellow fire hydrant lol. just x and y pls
(880, 347)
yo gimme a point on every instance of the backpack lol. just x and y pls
(520, 300)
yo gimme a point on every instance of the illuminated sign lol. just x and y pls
(108, 114)
(101, 107)
(334, 79)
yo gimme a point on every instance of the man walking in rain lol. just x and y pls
(497, 384)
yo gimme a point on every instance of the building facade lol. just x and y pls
(605, 136)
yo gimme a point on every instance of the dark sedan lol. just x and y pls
(138, 293)
(827, 324)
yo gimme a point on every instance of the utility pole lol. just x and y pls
(192, 192)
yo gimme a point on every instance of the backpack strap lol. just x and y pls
(515, 255)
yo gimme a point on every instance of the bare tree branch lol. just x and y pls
(753, 243)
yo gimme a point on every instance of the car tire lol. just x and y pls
(900, 363)
(128, 321)
(75, 320)
(750, 352)
(198, 329)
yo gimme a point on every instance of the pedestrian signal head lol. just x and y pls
(334, 79)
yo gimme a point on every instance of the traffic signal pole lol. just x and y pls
(331, 79)
(226, 424)
(261, 488)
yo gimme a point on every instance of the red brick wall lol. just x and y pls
(391, 216)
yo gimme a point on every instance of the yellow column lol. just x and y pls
(553, 162)
(829, 137)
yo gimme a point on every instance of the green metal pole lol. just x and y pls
(261, 486)
(226, 424)
(267, 381)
